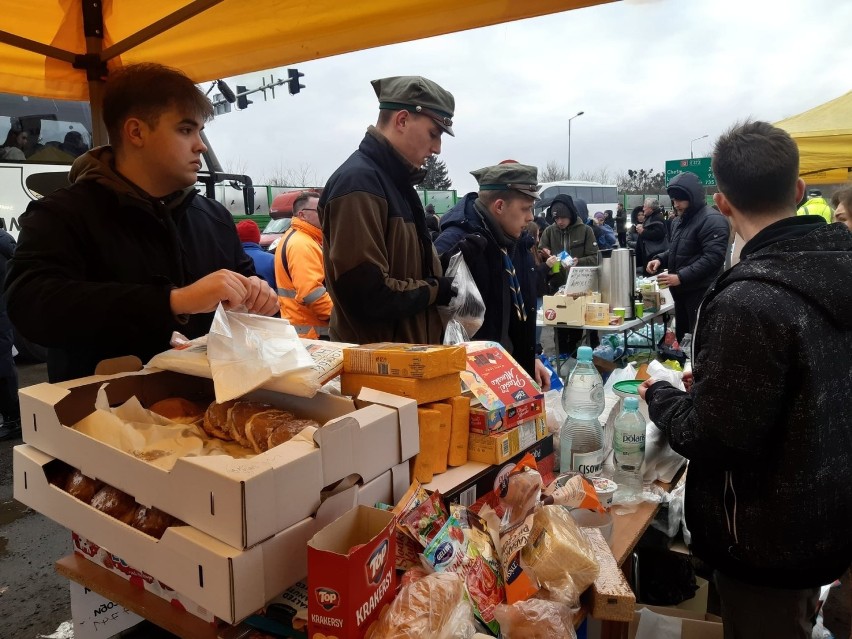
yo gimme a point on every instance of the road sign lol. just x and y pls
(700, 166)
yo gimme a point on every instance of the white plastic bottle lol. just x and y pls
(628, 444)
(581, 435)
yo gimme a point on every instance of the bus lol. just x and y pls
(597, 196)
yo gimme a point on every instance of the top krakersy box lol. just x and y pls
(507, 395)
(421, 361)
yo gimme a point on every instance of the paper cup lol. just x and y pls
(619, 311)
(639, 309)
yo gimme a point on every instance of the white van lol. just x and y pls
(40, 139)
(597, 196)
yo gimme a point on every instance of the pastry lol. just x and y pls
(288, 430)
(152, 521)
(215, 422)
(115, 503)
(239, 414)
(82, 487)
(261, 426)
(179, 410)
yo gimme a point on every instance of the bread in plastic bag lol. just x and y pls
(535, 619)
(559, 555)
(432, 606)
(466, 311)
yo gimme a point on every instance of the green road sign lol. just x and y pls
(700, 166)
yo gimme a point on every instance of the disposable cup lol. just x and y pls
(619, 311)
(639, 309)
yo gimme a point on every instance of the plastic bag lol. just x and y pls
(661, 462)
(430, 606)
(535, 618)
(466, 311)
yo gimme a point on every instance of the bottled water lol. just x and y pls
(581, 446)
(628, 444)
(583, 395)
(581, 436)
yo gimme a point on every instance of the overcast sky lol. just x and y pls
(650, 75)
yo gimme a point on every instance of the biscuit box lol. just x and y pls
(351, 573)
(506, 394)
(420, 361)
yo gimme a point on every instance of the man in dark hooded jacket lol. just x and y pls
(765, 423)
(489, 228)
(696, 255)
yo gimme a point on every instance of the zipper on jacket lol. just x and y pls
(730, 506)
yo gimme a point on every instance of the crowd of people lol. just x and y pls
(129, 253)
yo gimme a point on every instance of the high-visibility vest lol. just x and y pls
(816, 206)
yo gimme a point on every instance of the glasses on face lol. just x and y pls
(306, 209)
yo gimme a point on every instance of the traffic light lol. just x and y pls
(293, 85)
(242, 100)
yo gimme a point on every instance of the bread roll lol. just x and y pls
(260, 427)
(115, 503)
(239, 414)
(179, 410)
(152, 521)
(82, 487)
(288, 430)
(215, 421)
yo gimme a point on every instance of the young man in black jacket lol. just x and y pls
(129, 253)
(766, 422)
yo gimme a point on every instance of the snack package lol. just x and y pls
(424, 521)
(431, 606)
(413, 497)
(559, 555)
(464, 546)
(573, 490)
(519, 490)
(535, 618)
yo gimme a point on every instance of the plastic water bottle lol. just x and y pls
(583, 395)
(628, 444)
(581, 436)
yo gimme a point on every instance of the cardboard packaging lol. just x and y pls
(227, 582)
(506, 394)
(497, 448)
(693, 625)
(567, 310)
(404, 360)
(238, 501)
(597, 314)
(351, 573)
(422, 391)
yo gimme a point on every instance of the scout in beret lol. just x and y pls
(382, 272)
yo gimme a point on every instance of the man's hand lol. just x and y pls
(687, 380)
(653, 266)
(542, 375)
(575, 261)
(260, 298)
(551, 260)
(639, 229)
(204, 295)
(668, 278)
(644, 386)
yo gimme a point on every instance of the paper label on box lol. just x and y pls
(96, 617)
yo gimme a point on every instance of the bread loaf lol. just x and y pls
(215, 422)
(179, 410)
(115, 503)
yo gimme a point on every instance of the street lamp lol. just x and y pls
(695, 140)
(569, 140)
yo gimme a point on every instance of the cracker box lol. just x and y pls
(497, 448)
(506, 394)
(351, 573)
(421, 361)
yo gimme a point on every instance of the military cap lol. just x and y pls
(508, 176)
(418, 95)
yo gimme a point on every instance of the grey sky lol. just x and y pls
(650, 75)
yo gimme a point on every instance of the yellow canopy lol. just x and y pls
(824, 137)
(208, 39)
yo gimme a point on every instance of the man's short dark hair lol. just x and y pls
(145, 91)
(757, 167)
(300, 202)
(489, 197)
(844, 197)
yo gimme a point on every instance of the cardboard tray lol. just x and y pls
(228, 582)
(238, 501)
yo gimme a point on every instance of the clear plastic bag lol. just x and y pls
(535, 618)
(466, 311)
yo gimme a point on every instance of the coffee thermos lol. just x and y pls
(617, 279)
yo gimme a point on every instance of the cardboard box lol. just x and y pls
(404, 360)
(694, 625)
(238, 501)
(421, 391)
(597, 314)
(567, 310)
(497, 448)
(228, 582)
(351, 573)
(505, 393)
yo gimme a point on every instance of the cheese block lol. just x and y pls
(421, 390)
(440, 462)
(420, 361)
(459, 430)
(430, 430)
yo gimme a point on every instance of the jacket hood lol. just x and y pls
(816, 265)
(462, 214)
(692, 186)
(568, 201)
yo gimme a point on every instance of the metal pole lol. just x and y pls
(691, 156)
(569, 140)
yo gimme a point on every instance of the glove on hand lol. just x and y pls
(446, 291)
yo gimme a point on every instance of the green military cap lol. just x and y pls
(418, 95)
(508, 176)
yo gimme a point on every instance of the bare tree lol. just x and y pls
(235, 165)
(601, 175)
(642, 181)
(303, 175)
(553, 172)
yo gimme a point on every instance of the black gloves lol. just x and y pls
(446, 291)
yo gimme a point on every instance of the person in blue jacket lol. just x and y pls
(489, 228)
(264, 261)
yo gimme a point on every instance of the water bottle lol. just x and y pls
(583, 395)
(628, 444)
(581, 436)
(581, 446)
